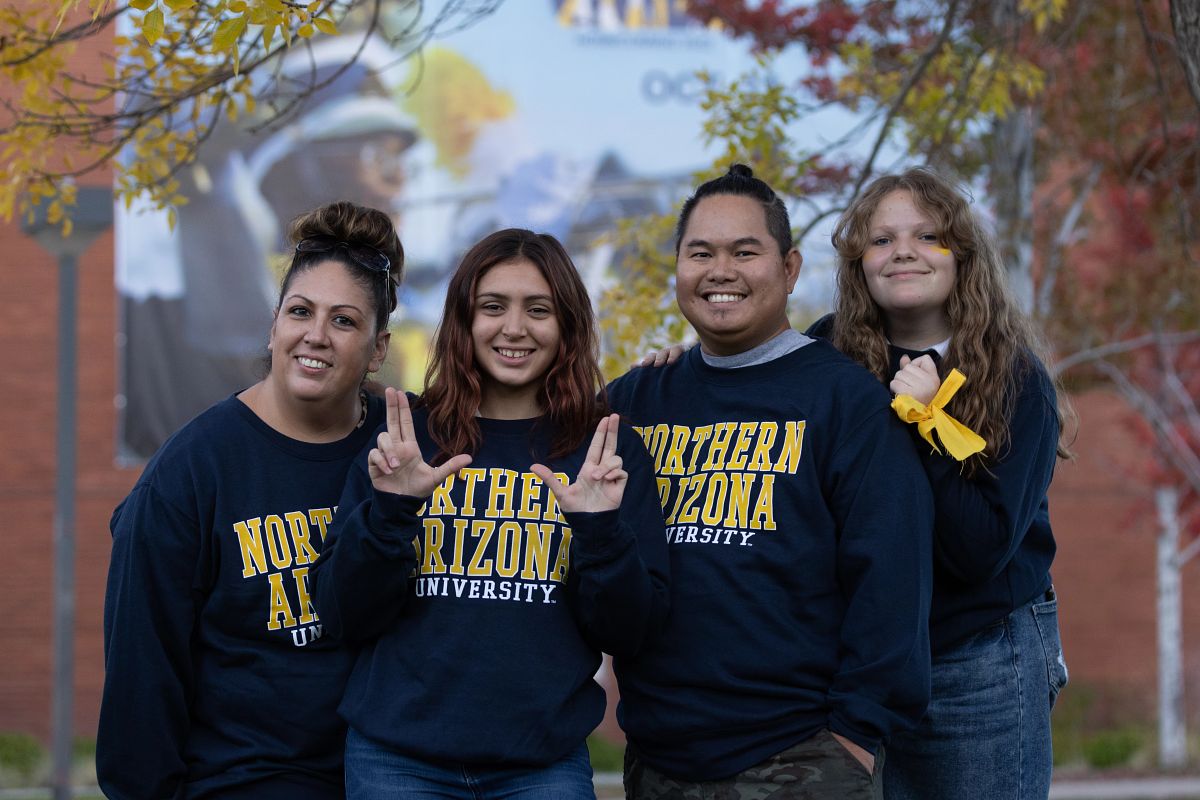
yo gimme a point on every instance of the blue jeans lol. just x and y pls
(376, 772)
(987, 731)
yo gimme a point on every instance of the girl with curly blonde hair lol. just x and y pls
(921, 292)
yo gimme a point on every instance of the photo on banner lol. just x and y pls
(563, 116)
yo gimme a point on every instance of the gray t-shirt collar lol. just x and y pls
(773, 348)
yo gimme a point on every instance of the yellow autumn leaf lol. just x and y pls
(141, 5)
(326, 26)
(305, 31)
(227, 34)
(152, 28)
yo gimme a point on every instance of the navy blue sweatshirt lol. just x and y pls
(992, 538)
(218, 681)
(799, 524)
(481, 612)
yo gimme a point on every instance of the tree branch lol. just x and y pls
(1096, 354)
(1062, 238)
(1185, 21)
(913, 77)
(1173, 446)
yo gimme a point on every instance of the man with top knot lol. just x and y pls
(799, 524)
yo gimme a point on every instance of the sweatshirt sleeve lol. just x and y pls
(621, 561)
(981, 521)
(153, 597)
(361, 580)
(883, 510)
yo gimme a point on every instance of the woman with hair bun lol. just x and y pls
(504, 531)
(219, 681)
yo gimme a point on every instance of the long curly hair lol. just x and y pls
(992, 341)
(572, 394)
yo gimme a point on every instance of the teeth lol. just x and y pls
(723, 298)
(312, 363)
(512, 353)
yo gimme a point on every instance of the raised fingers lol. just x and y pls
(597, 448)
(612, 426)
(392, 400)
(406, 423)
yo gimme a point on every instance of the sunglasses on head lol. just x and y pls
(365, 256)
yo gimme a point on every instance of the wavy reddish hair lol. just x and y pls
(572, 393)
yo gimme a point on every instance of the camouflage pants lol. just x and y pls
(819, 768)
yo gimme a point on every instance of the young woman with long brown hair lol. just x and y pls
(479, 583)
(922, 291)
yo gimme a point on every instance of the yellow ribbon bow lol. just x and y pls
(960, 441)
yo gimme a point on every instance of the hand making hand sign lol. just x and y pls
(396, 464)
(601, 480)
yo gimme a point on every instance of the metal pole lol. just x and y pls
(63, 701)
(93, 214)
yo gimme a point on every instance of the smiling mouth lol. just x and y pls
(313, 363)
(723, 297)
(507, 353)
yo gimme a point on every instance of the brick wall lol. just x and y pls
(29, 293)
(1105, 526)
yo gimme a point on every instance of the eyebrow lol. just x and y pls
(743, 241)
(501, 296)
(297, 295)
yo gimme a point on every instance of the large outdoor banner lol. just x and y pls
(561, 116)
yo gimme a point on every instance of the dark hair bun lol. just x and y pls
(355, 224)
(741, 170)
(360, 225)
